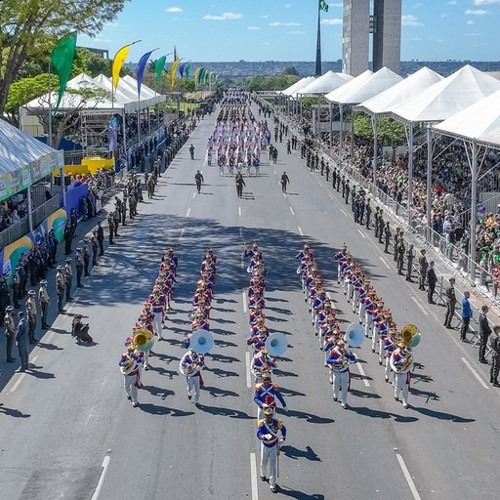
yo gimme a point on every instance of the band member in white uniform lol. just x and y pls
(338, 360)
(402, 362)
(190, 366)
(130, 366)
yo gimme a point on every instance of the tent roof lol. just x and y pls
(364, 89)
(72, 101)
(325, 83)
(406, 89)
(461, 89)
(298, 85)
(146, 92)
(479, 122)
(349, 86)
(18, 149)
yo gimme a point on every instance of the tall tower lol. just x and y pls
(355, 36)
(387, 34)
(385, 24)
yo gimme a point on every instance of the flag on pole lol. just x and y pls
(118, 62)
(62, 61)
(173, 70)
(159, 67)
(141, 66)
(323, 5)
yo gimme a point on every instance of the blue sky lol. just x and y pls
(285, 30)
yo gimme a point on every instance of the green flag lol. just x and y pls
(159, 67)
(62, 61)
(323, 5)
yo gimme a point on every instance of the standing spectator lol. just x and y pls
(423, 266)
(44, 299)
(22, 341)
(111, 228)
(466, 316)
(100, 238)
(431, 281)
(495, 358)
(60, 287)
(451, 301)
(484, 333)
(410, 255)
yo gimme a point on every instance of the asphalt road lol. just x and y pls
(68, 432)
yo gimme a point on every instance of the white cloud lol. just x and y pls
(332, 22)
(296, 32)
(174, 10)
(486, 2)
(253, 28)
(473, 34)
(470, 22)
(452, 2)
(477, 12)
(410, 20)
(278, 23)
(225, 16)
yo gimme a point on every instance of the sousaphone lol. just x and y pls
(143, 340)
(201, 341)
(410, 335)
(355, 335)
(276, 344)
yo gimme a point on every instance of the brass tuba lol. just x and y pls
(143, 340)
(410, 335)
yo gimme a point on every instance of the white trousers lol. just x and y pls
(130, 387)
(401, 385)
(340, 384)
(193, 387)
(157, 321)
(368, 323)
(375, 337)
(268, 457)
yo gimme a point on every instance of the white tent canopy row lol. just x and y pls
(293, 89)
(123, 98)
(325, 83)
(24, 160)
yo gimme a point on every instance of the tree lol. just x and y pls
(260, 83)
(24, 22)
(290, 71)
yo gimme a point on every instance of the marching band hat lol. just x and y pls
(340, 342)
(43, 282)
(268, 410)
(79, 249)
(68, 259)
(263, 350)
(17, 268)
(9, 308)
(31, 292)
(266, 375)
(60, 268)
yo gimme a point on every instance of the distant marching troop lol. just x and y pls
(238, 138)
(394, 347)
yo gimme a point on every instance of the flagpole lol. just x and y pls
(318, 45)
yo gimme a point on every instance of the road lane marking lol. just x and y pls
(104, 465)
(363, 374)
(420, 306)
(331, 197)
(253, 475)
(362, 234)
(291, 210)
(474, 372)
(408, 477)
(300, 231)
(249, 378)
(194, 196)
(18, 383)
(385, 263)
(244, 298)
(239, 211)
(343, 211)
(188, 212)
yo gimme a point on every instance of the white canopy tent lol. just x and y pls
(24, 160)
(326, 83)
(384, 102)
(297, 85)
(461, 89)
(478, 126)
(361, 88)
(147, 94)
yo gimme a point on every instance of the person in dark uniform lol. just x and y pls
(60, 287)
(343, 183)
(68, 279)
(347, 191)
(397, 235)
(95, 247)
(240, 182)
(495, 356)
(10, 332)
(100, 238)
(86, 257)
(111, 228)
(284, 182)
(368, 210)
(44, 299)
(431, 282)
(4, 297)
(338, 180)
(116, 220)
(79, 265)
(327, 172)
(381, 226)
(334, 178)
(451, 302)
(410, 255)
(423, 266)
(387, 236)
(68, 237)
(400, 255)
(16, 287)
(198, 178)
(484, 333)
(22, 341)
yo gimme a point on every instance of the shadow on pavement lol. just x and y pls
(309, 417)
(163, 410)
(12, 412)
(227, 412)
(295, 453)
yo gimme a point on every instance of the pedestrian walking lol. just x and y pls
(451, 301)
(484, 333)
(284, 182)
(423, 266)
(466, 316)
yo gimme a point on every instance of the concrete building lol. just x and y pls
(384, 23)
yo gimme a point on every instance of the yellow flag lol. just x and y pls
(173, 70)
(118, 62)
(196, 75)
